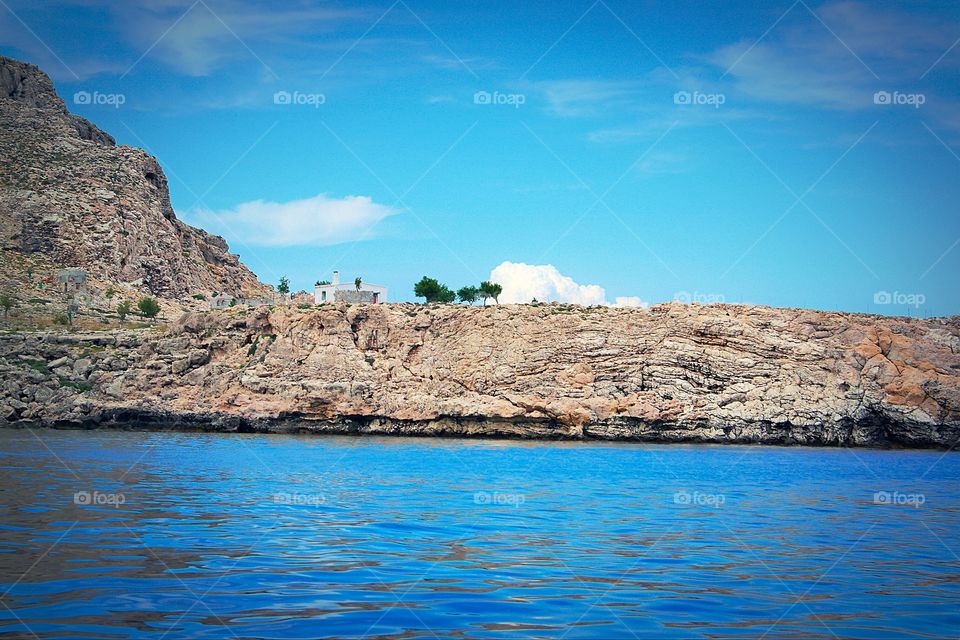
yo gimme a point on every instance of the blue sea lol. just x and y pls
(110, 534)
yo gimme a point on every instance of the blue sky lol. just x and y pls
(617, 151)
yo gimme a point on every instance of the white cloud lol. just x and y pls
(319, 220)
(523, 282)
(630, 301)
(577, 97)
(832, 64)
(197, 39)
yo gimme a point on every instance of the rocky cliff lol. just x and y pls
(70, 197)
(676, 372)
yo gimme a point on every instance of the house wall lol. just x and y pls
(354, 296)
(71, 279)
(347, 292)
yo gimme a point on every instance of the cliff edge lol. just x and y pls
(673, 373)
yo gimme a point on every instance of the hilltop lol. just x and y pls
(71, 197)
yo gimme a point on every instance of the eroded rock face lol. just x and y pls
(27, 84)
(68, 194)
(676, 372)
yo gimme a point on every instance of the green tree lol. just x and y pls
(284, 286)
(149, 307)
(7, 301)
(358, 283)
(468, 294)
(109, 292)
(446, 295)
(433, 291)
(123, 310)
(490, 290)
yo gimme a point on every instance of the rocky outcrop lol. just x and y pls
(28, 85)
(70, 196)
(674, 373)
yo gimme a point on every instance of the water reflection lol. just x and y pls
(114, 534)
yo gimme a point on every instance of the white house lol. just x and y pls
(336, 291)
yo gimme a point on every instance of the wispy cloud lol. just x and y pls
(579, 97)
(836, 58)
(197, 38)
(319, 220)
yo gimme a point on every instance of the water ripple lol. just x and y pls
(148, 535)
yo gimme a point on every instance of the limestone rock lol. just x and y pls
(673, 373)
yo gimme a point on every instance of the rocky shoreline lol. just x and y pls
(882, 436)
(674, 373)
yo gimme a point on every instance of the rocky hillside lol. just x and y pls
(676, 372)
(70, 197)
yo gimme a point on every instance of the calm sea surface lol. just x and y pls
(148, 535)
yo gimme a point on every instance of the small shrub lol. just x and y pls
(7, 301)
(37, 365)
(123, 310)
(148, 306)
(79, 386)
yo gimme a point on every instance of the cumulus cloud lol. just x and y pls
(319, 220)
(523, 282)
